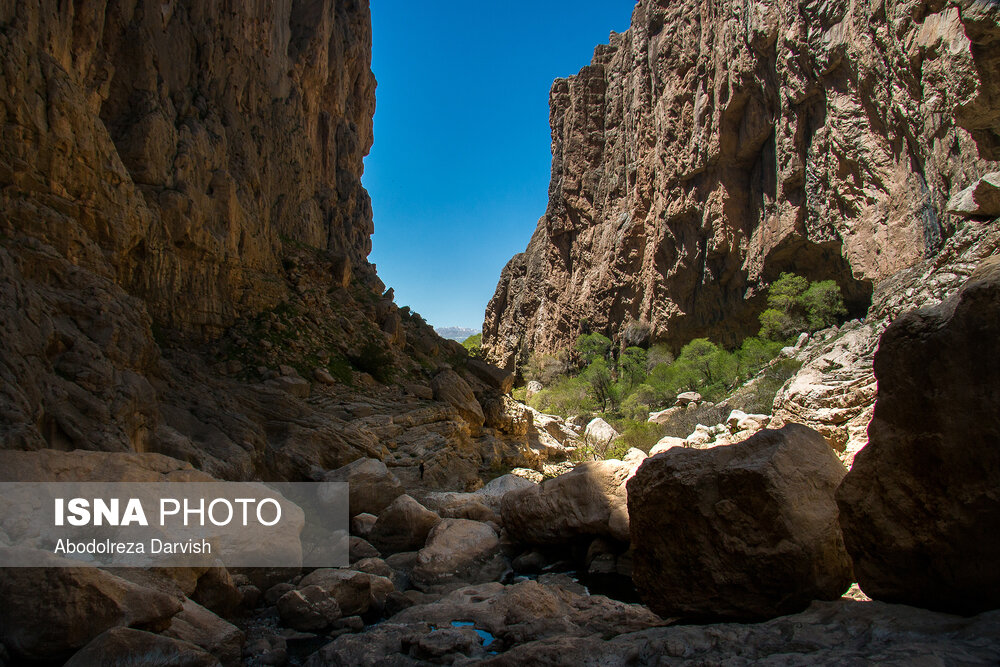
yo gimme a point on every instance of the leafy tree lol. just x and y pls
(593, 346)
(824, 304)
(754, 355)
(794, 304)
(474, 345)
(602, 384)
(632, 366)
(546, 368)
(658, 354)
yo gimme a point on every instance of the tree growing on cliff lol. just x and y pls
(794, 304)
(593, 346)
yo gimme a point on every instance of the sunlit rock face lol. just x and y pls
(711, 147)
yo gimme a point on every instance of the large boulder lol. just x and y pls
(499, 379)
(459, 550)
(979, 200)
(372, 487)
(199, 626)
(403, 526)
(125, 647)
(920, 509)
(590, 500)
(744, 532)
(599, 432)
(48, 612)
(449, 387)
(356, 592)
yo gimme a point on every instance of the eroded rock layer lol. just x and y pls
(711, 147)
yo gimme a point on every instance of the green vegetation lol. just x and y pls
(794, 304)
(625, 385)
(474, 345)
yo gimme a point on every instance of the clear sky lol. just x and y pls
(459, 171)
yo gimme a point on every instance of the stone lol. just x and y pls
(49, 612)
(459, 550)
(308, 609)
(450, 388)
(686, 398)
(357, 593)
(323, 376)
(744, 532)
(664, 416)
(667, 443)
(420, 391)
(493, 492)
(499, 379)
(532, 388)
(197, 625)
(372, 487)
(919, 509)
(362, 524)
(122, 647)
(599, 432)
(979, 200)
(403, 526)
(359, 548)
(589, 501)
(734, 418)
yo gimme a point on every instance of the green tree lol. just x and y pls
(824, 304)
(474, 345)
(593, 346)
(632, 367)
(602, 384)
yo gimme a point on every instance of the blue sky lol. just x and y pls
(459, 171)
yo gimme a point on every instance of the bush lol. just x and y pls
(602, 384)
(474, 345)
(546, 368)
(566, 396)
(658, 354)
(794, 304)
(683, 423)
(632, 367)
(641, 434)
(593, 346)
(757, 397)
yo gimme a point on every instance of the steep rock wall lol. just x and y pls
(714, 145)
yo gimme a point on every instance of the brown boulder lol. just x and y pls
(308, 609)
(499, 379)
(199, 626)
(403, 526)
(449, 387)
(920, 509)
(355, 592)
(372, 486)
(590, 500)
(125, 647)
(459, 550)
(745, 532)
(48, 612)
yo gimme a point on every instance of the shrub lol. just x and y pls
(566, 396)
(602, 384)
(593, 346)
(632, 366)
(546, 368)
(641, 434)
(794, 304)
(658, 354)
(474, 345)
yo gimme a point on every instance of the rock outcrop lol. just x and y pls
(703, 152)
(743, 532)
(919, 509)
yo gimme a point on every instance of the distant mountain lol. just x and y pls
(456, 333)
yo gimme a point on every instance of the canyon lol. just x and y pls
(711, 147)
(186, 296)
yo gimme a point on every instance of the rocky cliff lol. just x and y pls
(183, 248)
(712, 146)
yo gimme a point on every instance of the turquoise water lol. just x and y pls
(486, 637)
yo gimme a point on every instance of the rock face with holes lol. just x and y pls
(707, 149)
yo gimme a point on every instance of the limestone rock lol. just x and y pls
(588, 501)
(742, 532)
(308, 609)
(667, 443)
(197, 625)
(49, 612)
(372, 486)
(403, 526)
(688, 397)
(600, 432)
(919, 509)
(501, 380)
(357, 593)
(449, 387)
(459, 550)
(532, 388)
(979, 200)
(122, 647)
